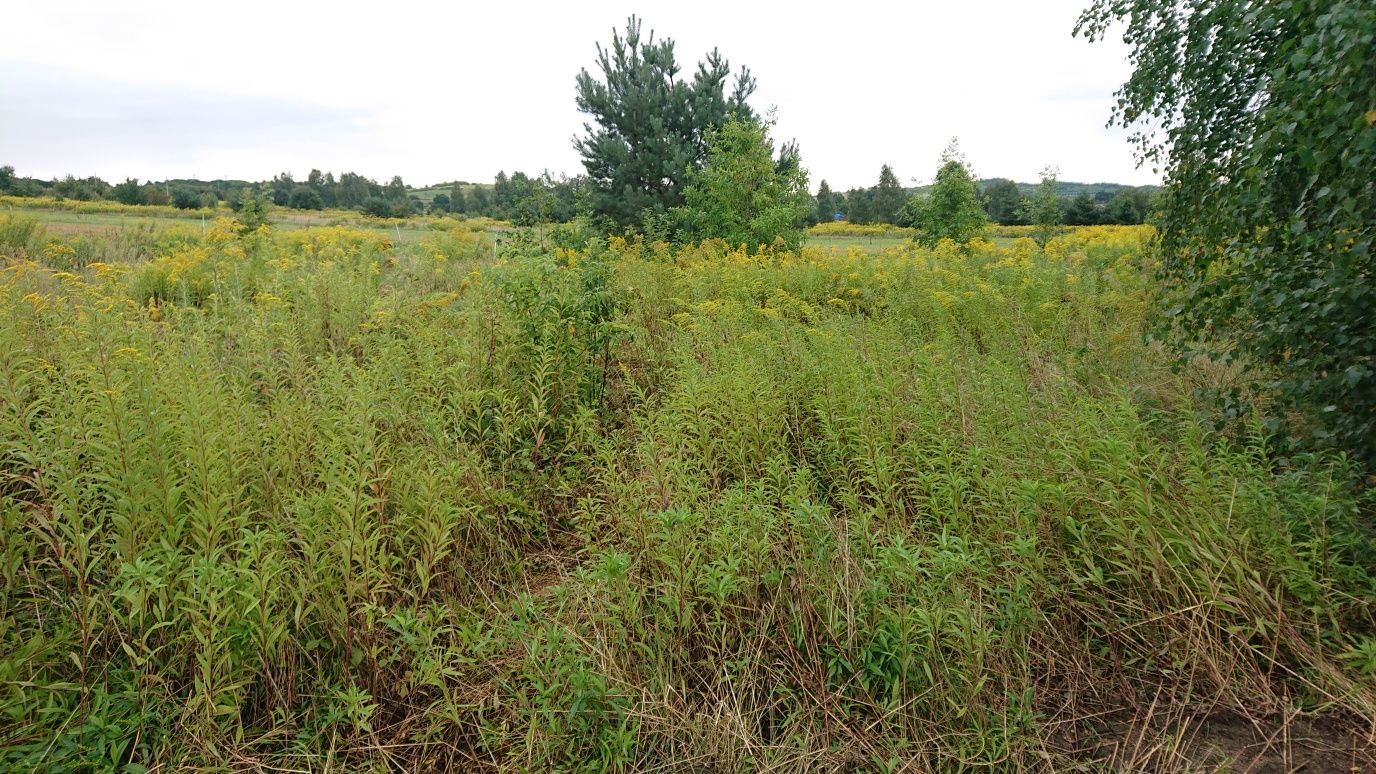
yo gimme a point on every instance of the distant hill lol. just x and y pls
(427, 193)
(1099, 192)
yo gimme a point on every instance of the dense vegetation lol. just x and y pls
(1264, 119)
(680, 485)
(627, 505)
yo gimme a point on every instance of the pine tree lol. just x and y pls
(826, 203)
(649, 125)
(252, 212)
(1082, 211)
(1003, 202)
(858, 205)
(888, 198)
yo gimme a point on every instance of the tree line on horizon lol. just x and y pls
(526, 199)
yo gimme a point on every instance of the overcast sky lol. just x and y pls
(444, 91)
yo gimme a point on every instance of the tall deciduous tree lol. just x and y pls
(1263, 116)
(282, 185)
(1129, 206)
(649, 124)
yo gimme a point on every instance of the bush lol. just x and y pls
(305, 198)
(252, 212)
(379, 207)
(186, 199)
(18, 235)
(743, 195)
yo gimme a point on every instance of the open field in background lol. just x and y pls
(316, 498)
(841, 244)
(104, 218)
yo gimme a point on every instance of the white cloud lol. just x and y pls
(438, 91)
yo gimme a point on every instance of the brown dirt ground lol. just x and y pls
(1224, 741)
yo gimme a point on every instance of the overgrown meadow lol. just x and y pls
(311, 500)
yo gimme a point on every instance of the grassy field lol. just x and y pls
(428, 194)
(841, 244)
(321, 499)
(104, 220)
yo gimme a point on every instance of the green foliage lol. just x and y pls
(479, 203)
(859, 209)
(305, 198)
(155, 195)
(828, 204)
(311, 500)
(886, 198)
(19, 235)
(281, 188)
(84, 189)
(1128, 207)
(1262, 116)
(381, 207)
(186, 199)
(649, 125)
(1004, 202)
(951, 208)
(1081, 211)
(741, 195)
(528, 201)
(252, 212)
(127, 192)
(1043, 209)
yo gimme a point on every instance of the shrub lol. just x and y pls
(742, 195)
(18, 234)
(186, 199)
(305, 198)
